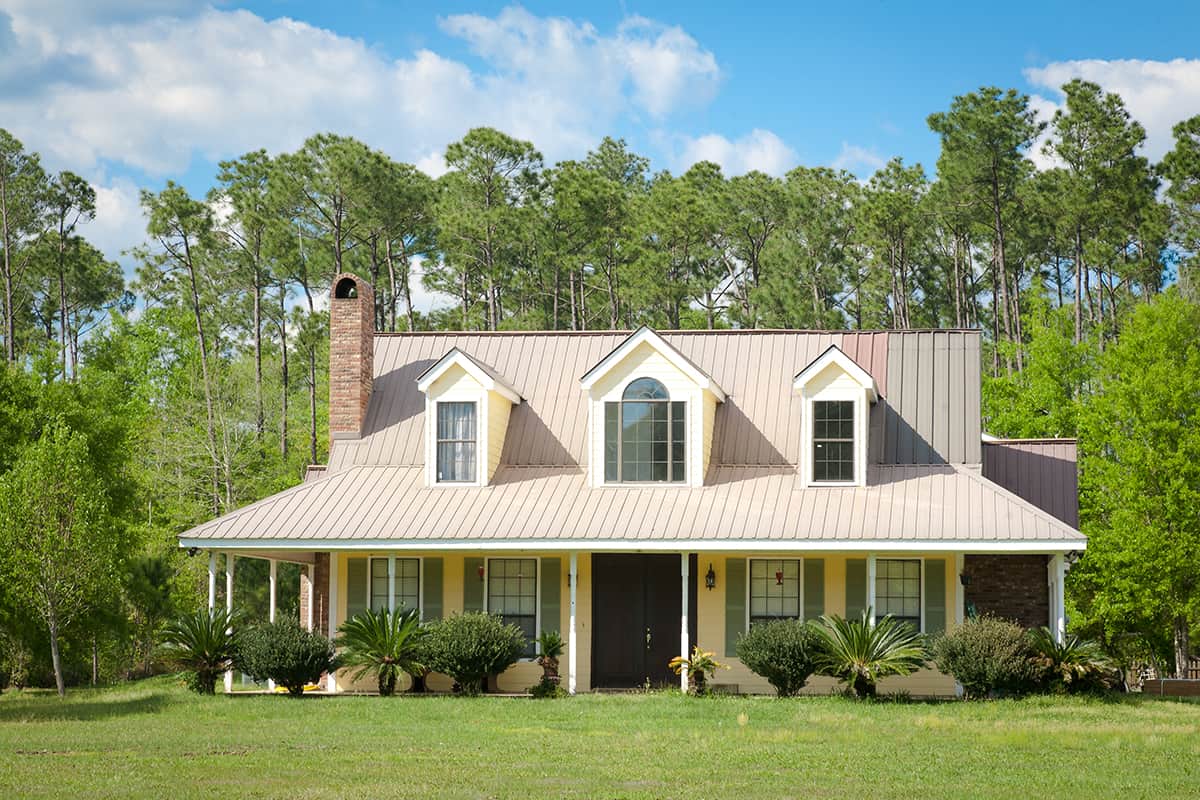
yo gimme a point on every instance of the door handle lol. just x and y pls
(647, 638)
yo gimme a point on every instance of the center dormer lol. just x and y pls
(651, 414)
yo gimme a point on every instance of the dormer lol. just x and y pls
(651, 413)
(467, 405)
(836, 394)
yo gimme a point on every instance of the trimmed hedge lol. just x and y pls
(785, 652)
(990, 657)
(285, 653)
(469, 647)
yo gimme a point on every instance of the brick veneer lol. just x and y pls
(1009, 586)
(351, 355)
(320, 584)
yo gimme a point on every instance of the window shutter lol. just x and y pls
(935, 595)
(735, 603)
(814, 588)
(551, 594)
(856, 587)
(472, 585)
(431, 588)
(356, 586)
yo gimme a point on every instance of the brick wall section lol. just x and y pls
(1009, 586)
(351, 355)
(321, 593)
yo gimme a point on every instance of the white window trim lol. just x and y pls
(480, 399)
(800, 582)
(861, 421)
(420, 580)
(920, 589)
(688, 442)
(537, 592)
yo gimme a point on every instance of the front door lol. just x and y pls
(636, 606)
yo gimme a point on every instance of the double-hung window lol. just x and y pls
(774, 589)
(644, 435)
(512, 594)
(456, 442)
(898, 589)
(833, 441)
(408, 579)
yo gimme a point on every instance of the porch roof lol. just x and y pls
(913, 507)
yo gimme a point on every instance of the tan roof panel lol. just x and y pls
(915, 506)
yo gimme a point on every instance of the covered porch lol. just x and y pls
(624, 612)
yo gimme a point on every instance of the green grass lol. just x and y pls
(155, 740)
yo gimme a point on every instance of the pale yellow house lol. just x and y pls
(644, 492)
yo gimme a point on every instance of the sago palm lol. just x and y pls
(859, 654)
(202, 643)
(383, 642)
(1074, 664)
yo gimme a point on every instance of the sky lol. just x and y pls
(130, 94)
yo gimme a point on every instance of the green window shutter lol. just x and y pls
(735, 603)
(814, 588)
(356, 586)
(472, 585)
(431, 588)
(551, 594)
(935, 595)
(856, 587)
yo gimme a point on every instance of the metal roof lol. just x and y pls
(918, 507)
(929, 379)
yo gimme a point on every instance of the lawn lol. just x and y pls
(155, 740)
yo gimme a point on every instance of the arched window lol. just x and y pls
(644, 435)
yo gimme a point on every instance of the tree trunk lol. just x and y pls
(62, 300)
(1182, 649)
(10, 351)
(283, 370)
(96, 660)
(260, 415)
(312, 404)
(208, 398)
(391, 265)
(55, 658)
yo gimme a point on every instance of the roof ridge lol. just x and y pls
(674, 331)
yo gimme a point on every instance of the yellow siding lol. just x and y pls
(710, 613)
(498, 410)
(709, 418)
(520, 676)
(710, 628)
(453, 380)
(832, 377)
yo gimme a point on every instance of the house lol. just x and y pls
(643, 492)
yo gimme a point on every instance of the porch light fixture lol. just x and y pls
(964, 579)
(481, 572)
(192, 551)
(779, 577)
(710, 578)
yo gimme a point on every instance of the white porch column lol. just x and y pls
(871, 586)
(331, 684)
(572, 642)
(684, 646)
(212, 580)
(960, 591)
(229, 559)
(306, 577)
(1057, 569)
(391, 583)
(272, 581)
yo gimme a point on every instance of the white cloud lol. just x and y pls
(862, 161)
(152, 93)
(1157, 93)
(758, 150)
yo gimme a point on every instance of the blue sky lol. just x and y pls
(132, 93)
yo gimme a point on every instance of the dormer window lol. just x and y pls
(833, 441)
(456, 442)
(645, 435)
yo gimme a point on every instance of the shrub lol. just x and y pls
(550, 649)
(859, 654)
(203, 644)
(547, 687)
(699, 667)
(382, 642)
(785, 652)
(1075, 665)
(285, 653)
(989, 657)
(469, 647)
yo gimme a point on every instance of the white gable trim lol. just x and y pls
(834, 355)
(473, 368)
(644, 335)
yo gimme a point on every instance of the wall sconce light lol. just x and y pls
(192, 551)
(710, 578)
(779, 578)
(965, 580)
(481, 572)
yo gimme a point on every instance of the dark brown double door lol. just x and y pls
(636, 609)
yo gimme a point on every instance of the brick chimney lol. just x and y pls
(351, 354)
